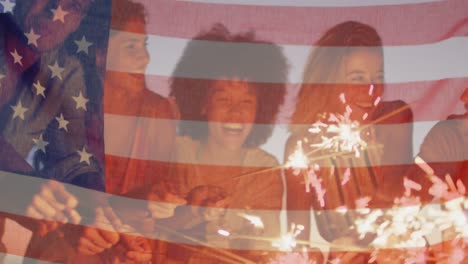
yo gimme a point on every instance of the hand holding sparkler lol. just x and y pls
(163, 205)
(95, 240)
(132, 247)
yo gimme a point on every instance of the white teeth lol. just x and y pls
(233, 126)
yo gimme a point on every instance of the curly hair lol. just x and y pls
(321, 75)
(223, 55)
(124, 11)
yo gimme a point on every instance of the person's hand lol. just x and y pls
(210, 202)
(204, 195)
(132, 247)
(95, 240)
(163, 205)
(138, 248)
(215, 210)
(55, 205)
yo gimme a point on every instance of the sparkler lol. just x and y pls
(297, 160)
(287, 242)
(341, 134)
(406, 225)
(256, 221)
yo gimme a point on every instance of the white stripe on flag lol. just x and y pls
(314, 3)
(122, 145)
(127, 207)
(442, 60)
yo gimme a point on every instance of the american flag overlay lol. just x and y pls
(233, 131)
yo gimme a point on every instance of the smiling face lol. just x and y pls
(127, 56)
(53, 33)
(363, 75)
(231, 108)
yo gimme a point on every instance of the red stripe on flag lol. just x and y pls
(428, 99)
(398, 24)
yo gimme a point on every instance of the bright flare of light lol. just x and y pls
(424, 166)
(224, 232)
(341, 135)
(297, 160)
(287, 242)
(253, 219)
(407, 223)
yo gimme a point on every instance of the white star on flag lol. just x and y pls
(40, 143)
(7, 6)
(84, 156)
(56, 70)
(80, 101)
(19, 110)
(39, 89)
(16, 57)
(62, 123)
(83, 45)
(59, 14)
(32, 37)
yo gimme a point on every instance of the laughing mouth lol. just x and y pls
(233, 128)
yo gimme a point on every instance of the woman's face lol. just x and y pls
(363, 78)
(127, 56)
(40, 17)
(231, 108)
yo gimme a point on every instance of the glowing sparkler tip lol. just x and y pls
(224, 232)
(297, 160)
(364, 116)
(343, 98)
(377, 101)
(288, 241)
(342, 209)
(256, 221)
(371, 89)
(423, 165)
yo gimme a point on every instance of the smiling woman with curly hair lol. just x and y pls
(224, 121)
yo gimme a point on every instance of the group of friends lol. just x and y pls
(76, 111)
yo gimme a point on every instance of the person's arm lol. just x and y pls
(443, 149)
(395, 134)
